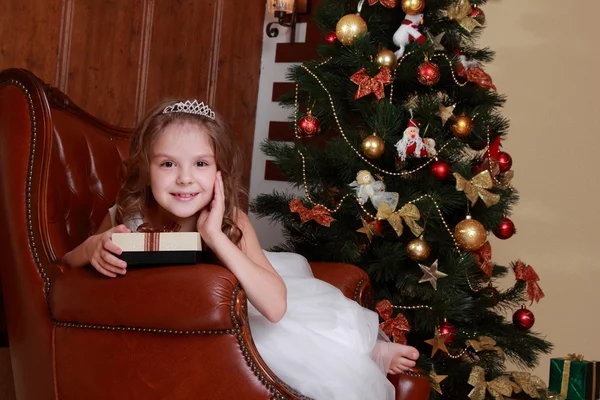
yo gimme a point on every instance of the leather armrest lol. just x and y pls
(351, 280)
(183, 298)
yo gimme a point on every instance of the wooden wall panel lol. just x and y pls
(239, 57)
(180, 50)
(104, 58)
(29, 33)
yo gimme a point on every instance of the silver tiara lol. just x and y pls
(190, 107)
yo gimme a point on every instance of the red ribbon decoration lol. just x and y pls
(476, 75)
(484, 259)
(528, 274)
(319, 213)
(395, 328)
(367, 85)
(385, 3)
(384, 309)
(152, 235)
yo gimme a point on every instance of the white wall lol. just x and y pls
(266, 111)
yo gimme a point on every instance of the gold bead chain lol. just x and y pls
(296, 109)
(314, 203)
(476, 290)
(459, 355)
(437, 207)
(451, 69)
(496, 181)
(403, 173)
(413, 307)
(394, 75)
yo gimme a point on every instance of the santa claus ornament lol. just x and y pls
(413, 145)
(408, 32)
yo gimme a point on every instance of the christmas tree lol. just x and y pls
(398, 155)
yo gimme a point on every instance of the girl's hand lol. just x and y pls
(102, 250)
(210, 220)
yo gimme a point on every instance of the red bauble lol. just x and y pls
(523, 319)
(331, 37)
(504, 161)
(505, 229)
(447, 328)
(309, 125)
(490, 296)
(429, 73)
(440, 170)
(478, 15)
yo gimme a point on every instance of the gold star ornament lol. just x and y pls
(436, 380)
(367, 229)
(446, 113)
(438, 343)
(431, 274)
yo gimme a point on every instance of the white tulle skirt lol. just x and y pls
(323, 345)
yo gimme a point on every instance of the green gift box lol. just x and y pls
(574, 378)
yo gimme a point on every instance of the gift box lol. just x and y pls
(159, 248)
(573, 378)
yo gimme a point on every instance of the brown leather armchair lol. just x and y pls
(178, 332)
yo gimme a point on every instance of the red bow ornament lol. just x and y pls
(484, 259)
(385, 3)
(395, 328)
(367, 85)
(527, 274)
(319, 213)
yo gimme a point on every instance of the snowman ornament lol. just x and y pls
(413, 145)
(408, 32)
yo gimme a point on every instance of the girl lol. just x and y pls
(184, 167)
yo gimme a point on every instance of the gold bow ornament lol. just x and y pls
(461, 13)
(497, 388)
(478, 187)
(409, 213)
(485, 343)
(530, 384)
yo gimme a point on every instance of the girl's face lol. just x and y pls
(182, 171)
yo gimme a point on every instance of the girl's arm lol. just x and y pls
(263, 285)
(98, 250)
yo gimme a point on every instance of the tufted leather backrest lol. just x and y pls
(60, 170)
(86, 169)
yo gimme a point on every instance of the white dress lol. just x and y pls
(322, 346)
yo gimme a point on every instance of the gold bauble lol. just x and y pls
(470, 234)
(373, 146)
(418, 250)
(413, 7)
(349, 27)
(462, 126)
(386, 58)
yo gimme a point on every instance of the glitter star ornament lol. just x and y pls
(445, 113)
(436, 380)
(438, 343)
(367, 229)
(431, 274)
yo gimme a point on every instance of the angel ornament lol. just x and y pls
(367, 188)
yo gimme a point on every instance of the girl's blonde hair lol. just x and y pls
(135, 196)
